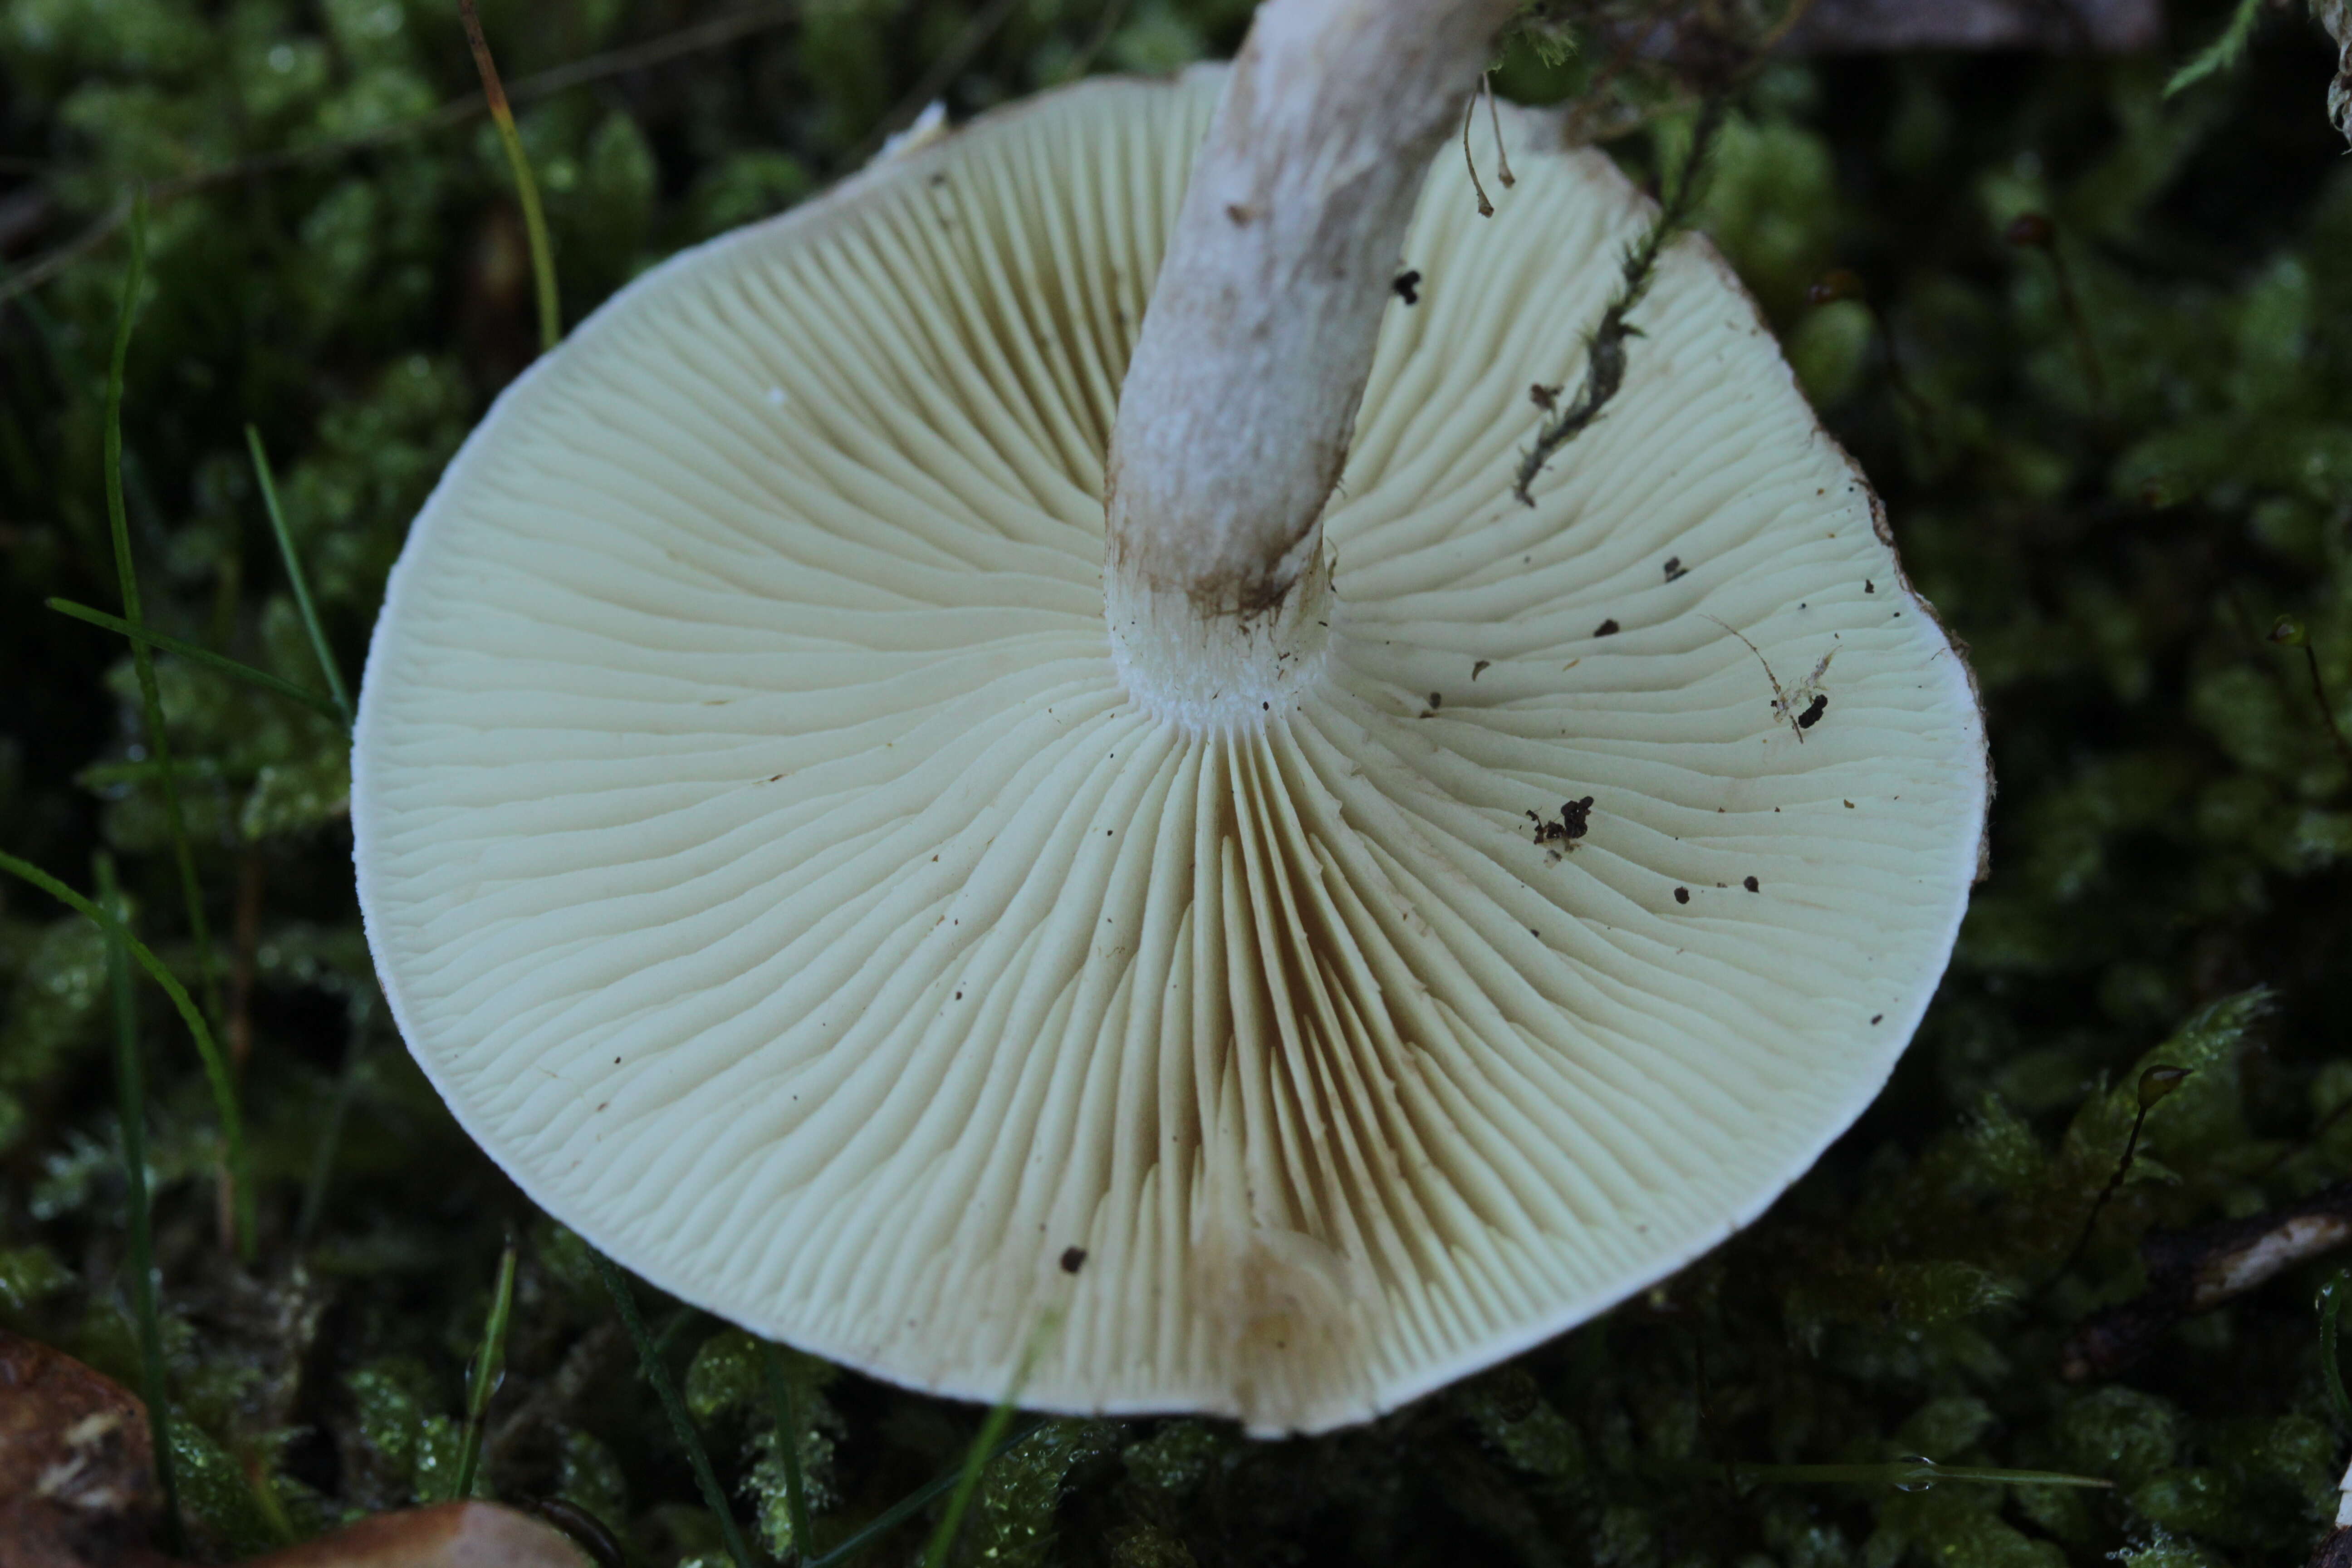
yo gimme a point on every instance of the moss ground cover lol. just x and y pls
(2093, 345)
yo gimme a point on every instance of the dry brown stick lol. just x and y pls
(708, 34)
(2193, 1271)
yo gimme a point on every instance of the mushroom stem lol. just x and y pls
(1237, 408)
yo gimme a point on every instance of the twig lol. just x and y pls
(130, 1089)
(1604, 360)
(2193, 1271)
(534, 218)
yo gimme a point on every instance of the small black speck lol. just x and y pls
(1868, 587)
(1752, 884)
(1682, 895)
(1437, 700)
(1607, 628)
(959, 996)
(1532, 932)
(1477, 667)
(1408, 286)
(1267, 706)
(1073, 1260)
(1812, 713)
(1874, 1018)
(1849, 806)
(1675, 568)
(616, 1061)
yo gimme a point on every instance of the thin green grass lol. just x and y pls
(985, 1447)
(201, 656)
(681, 1422)
(788, 1444)
(915, 1502)
(217, 1074)
(130, 1086)
(486, 1372)
(1903, 1475)
(323, 1158)
(975, 1462)
(294, 576)
(142, 657)
(534, 220)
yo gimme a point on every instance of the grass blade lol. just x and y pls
(142, 657)
(195, 654)
(301, 584)
(913, 1503)
(667, 1387)
(2331, 1372)
(488, 1372)
(323, 1158)
(788, 1444)
(130, 1086)
(975, 1461)
(984, 1450)
(534, 220)
(216, 1074)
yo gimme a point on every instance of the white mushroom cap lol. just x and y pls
(765, 861)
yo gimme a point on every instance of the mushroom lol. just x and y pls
(892, 899)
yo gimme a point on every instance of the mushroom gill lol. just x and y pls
(765, 861)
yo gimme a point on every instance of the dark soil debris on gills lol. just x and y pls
(2109, 501)
(1575, 821)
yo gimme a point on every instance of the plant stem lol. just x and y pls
(294, 576)
(788, 1444)
(488, 1371)
(142, 657)
(190, 651)
(534, 219)
(217, 1074)
(683, 1425)
(913, 1503)
(131, 1088)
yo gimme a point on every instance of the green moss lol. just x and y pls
(2112, 533)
